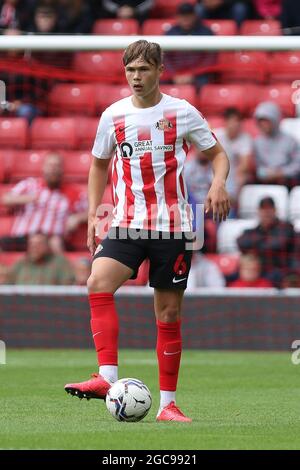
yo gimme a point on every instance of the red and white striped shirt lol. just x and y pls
(150, 147)
(49, 212)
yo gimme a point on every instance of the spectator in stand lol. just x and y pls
(46, 205)
(181, 65)
(267, 9)
(291, 280)
(75, 17)
(277, 155)
(125, 9)
(40, 266)
(82, 270)
(204, 273)
(14, 14)
(250, 273)
(223, 10)
(25, 94)
(239, 148)
(273, 241)
(290, 17)
(46, 21)
(4, 274)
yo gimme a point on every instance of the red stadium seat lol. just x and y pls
(3, 166)
(77, 240)
(10, 258)
(187, 92)
(157, 27)
(280, 94)
(214, 99)
(166, 9)
(228, 264)
(13, 133)
(142, 277)
(105, 95)
(86, 129)
(67, 100)
(76, 166)
(261, 28)
(243, 66)
(105, 64)
(54, 133)
(74, 256)
(284, 66)
(116, 27)
(6, 225)
(222, 27)
(4, 189)
(215, 122)
(26, 163)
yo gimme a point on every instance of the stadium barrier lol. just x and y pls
(58, 317)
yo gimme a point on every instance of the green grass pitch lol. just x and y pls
(238, 400)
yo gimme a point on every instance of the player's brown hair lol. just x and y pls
(149, 51)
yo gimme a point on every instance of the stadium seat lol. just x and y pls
(107, 65)
(260, 28)
(69, 99)
(249, 125)
(214, 99)
(251, 194)
(222, 27)
(294, 206)
(116, 27)
(6, 224)
(2, 166)
(243, 66)
(229, 231)
(296, 225)
(280, 94)
(187, 92)
(284, 66)
(215, 122)
(228, 264)
(76, 166)
(10, 258)
(105, 95)
(157, 27)
(291, 126)
(77, 240)
(86, 131)
(13, 133)
(142, 277)
(166, 9)
(54, 133)
(26, 163)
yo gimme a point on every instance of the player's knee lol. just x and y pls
(97, 284)
(169, 314)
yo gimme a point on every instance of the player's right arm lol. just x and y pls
(96, 186)
(103, 149)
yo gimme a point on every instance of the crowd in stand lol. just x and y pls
(269, 252)
(78, 16)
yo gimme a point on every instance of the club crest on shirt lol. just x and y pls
(163, 125)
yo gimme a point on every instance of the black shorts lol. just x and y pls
(170, 259)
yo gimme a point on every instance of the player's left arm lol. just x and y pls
(217, 199)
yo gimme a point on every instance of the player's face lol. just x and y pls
(142, 77)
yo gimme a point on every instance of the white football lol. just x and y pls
(128, 400)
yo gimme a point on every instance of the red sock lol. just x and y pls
(168, 350)
(105, 327)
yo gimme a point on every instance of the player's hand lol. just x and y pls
(218, 201)
(91, 242)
